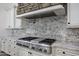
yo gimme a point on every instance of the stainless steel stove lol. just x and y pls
(35, 44)
(25, 41)
(38, 44)
(42, 45)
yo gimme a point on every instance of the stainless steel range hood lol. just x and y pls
(56, 10)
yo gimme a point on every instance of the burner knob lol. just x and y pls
(45, 51)
(33, 47)
(40, 49)
(29, 52)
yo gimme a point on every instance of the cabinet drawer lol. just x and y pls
(3, 48)
(65, 52)
(22, 51)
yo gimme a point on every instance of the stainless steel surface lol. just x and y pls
(41, 47)
(35, 45)
(25, 41)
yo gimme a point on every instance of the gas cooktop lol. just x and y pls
(28, 38)
(38, 44)
(47, 41)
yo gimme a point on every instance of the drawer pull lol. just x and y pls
(64, 52)
(68, 22)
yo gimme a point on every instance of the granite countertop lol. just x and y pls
(68, 45)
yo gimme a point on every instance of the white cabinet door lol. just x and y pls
(22, 51)
(11, 17)
(65, 52)
(73, 15)
(4, 18)
(36, 53)
(3, 44)
(12, 46)
(7, 14)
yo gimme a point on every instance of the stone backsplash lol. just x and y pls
(51, 27)
(72, 35)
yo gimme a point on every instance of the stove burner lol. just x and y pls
(48, 41)
(28, 38)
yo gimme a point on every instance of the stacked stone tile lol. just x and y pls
(27, 7)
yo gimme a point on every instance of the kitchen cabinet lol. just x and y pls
(73, 15)
(4, 17)
(13, 47)
(14, 22)
(3, 44)
(12, 17)
(26, 52)
(8, 16)
(9, 46)
(22, 51)
(6, 45)
(59, 51)
(35, 53)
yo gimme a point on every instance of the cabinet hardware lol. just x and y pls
(68, 22)
(64, 52)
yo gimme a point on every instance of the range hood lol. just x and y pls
(56, 10)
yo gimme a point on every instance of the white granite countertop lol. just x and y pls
(68, 45)
(74, 46)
